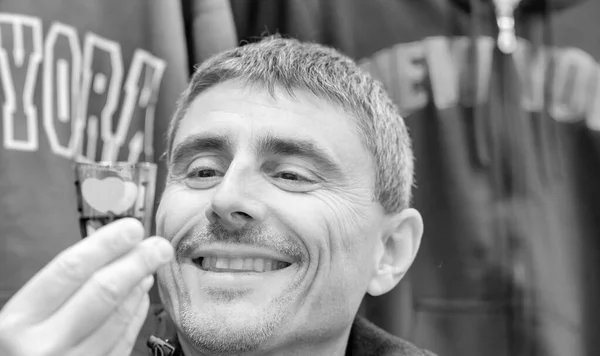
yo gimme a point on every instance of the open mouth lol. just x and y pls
(239, 264)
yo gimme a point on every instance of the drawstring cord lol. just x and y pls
(550, 138)
(482, 154)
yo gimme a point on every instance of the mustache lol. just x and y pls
(257, 236)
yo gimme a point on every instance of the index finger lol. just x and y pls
(69, 270)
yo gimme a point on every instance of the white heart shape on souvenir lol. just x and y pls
(109, 194)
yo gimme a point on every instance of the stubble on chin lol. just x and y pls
(219, 337)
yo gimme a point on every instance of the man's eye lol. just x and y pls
(203, 178)
(290, 176)
(203, 173)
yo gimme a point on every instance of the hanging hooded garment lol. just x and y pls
(507, 163)
(89, 80)
(85, 79)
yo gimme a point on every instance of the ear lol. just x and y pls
(395, 250)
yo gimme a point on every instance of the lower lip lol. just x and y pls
(238, 280)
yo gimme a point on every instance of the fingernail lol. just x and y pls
(132, 229)
(165, 250)
(147, 282)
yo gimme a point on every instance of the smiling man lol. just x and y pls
(287, 200)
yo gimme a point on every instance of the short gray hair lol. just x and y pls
(289, 64)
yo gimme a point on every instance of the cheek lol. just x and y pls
(177, 206)
(354, 226)
(350, 220)
(338, 230)
(338, 236)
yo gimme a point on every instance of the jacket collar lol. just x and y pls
(366, 339)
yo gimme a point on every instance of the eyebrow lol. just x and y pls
(200, 143)
(300, 148)
(267, 145)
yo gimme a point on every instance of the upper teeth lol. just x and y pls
(224, 264)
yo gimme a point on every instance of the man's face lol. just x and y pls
(269, 205)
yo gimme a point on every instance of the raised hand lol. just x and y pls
(90, 300)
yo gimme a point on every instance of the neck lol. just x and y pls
(335, 346)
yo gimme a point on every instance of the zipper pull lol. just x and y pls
(507, 39)
(159, 347)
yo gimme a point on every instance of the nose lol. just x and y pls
(234, 204)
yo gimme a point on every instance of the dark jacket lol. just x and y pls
(366, 339)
